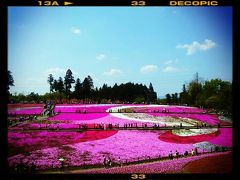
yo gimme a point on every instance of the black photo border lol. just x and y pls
(4, 98)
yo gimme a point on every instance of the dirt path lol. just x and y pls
(215, 164)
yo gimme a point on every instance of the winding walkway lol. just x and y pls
(177, 165)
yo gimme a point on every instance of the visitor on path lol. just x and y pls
(177, 154)
(109, 162)
(193, 152)
(104, 161)
(196, 151)
(119, 162)
(146, 125)
(170, 155)
(32, 168)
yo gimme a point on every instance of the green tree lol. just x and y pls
(184, 96)
(152, 93)
(50, 81)
(68, 81)
(55, 85)
(212, 102)
(90, 82)
(168, 99)
(10, 81)
(78, 89)
(176, 98)
(32, 97)
(194, 89)
(60, 85)
(86, 87)
(139, 100)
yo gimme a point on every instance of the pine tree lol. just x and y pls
(50, 81)
(68, 81)
(78, 89)
(10, 80)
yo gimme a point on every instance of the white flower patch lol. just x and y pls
(193, 132)
(205, 145)
(223, 118)
(165, 120)
(116, 109)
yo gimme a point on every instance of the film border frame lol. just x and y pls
(4, 99)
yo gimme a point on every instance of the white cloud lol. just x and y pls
(100, 57)
(170, 69)
(149, 69)
(113, 72)
(168, 62)
(75, 30)
(196, 46)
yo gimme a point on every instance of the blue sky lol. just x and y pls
(162, 45)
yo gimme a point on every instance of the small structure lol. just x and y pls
(61, 159)
(48, 109)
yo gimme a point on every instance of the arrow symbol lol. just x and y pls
(67, 3)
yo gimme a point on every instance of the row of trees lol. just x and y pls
(128, 92)
(69, 88)
(213, 93)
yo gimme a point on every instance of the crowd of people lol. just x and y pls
(108, 162)
(22, 168)
(15, 119)
(116, 126)
(172, 155)
(110, 126)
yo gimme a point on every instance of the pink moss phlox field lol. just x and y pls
(78, 148)
(54, 126)
(44, 158)
(78, 116)
(92, 108)
(129, 145)
(104, 120)
(224, 139)
(166, 166)
(26, 110)
(27, 142)
(20, 105)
